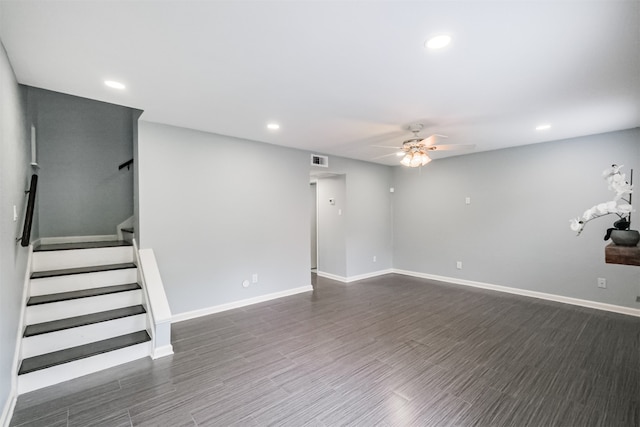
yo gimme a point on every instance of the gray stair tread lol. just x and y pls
(48, 360)
(89, 319)
(83, 293)
(81, 270)
(80, 245)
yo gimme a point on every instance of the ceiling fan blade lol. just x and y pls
(431, 140)
(452, 147)
(385, 146)
(385, 155)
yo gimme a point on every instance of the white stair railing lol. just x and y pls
(157, 303)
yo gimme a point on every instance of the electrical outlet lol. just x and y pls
(459, 265)
(602, 282)
(254, 278)
(375, 258)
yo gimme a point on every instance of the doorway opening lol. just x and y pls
(313, 195)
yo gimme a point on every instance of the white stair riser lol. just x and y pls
(76, 282)
(79, 307)
(55, 260)
(59, 340)
(78, 368)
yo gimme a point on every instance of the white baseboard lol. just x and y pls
(238, 304)
(77, 239)
(354, 278)
(524, 292)
(9, 406)
(7, 411)
(165, 350)
(331, 276)
(369, 275)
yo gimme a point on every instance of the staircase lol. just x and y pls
(85, 313)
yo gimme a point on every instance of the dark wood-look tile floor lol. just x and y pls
(387, 351)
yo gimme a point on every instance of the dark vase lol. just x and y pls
(625, 237)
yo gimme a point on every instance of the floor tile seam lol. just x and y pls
(31, 421)
(228, 380)
(234, 407)
(182, 403)
(141, 386)
(273, 404)
(96, 404)
(195, 336)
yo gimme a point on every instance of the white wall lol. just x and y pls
(369, 218)
(217, 209)
(347, 243)
(14, 180)
(332, 235)
(81, 142)
(313, 224)
(516, 232)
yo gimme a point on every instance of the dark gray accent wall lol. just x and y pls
(516, 232)
(80, 143)
(15, 173)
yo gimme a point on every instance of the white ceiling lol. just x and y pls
(341, 76)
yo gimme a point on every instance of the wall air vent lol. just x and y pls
(317, 160)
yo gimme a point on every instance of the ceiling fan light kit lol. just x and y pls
(415, 159)
(415, 150)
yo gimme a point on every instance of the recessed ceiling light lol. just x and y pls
(438, 42)
(113, 84)
(273, 126)
(543, 127)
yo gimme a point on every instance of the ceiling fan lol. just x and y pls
(415, 149)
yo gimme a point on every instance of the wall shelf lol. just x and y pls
(627, 255)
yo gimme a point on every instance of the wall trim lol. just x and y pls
(331, 276)
(354, 278)
(9, 407)
(158, 352)
(77, 239)
(10, 404)
(238, 304)
(369, 275)
(527, 293)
